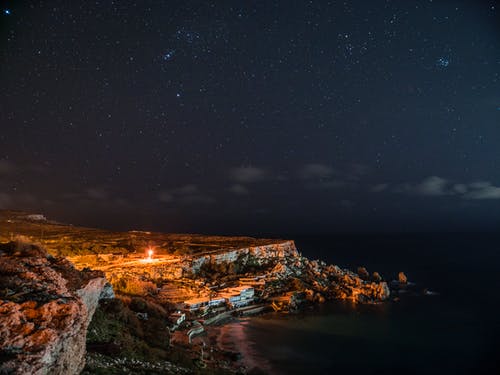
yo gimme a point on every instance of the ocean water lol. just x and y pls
(455, 332)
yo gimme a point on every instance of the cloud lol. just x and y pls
(97, 193)
(186, 190)
(6, 167)
(460, 188)
(18, 201)
(432, 185)
(439, 186)
(483, 190)
(329, 184)
(356, 171)
(197, 199)
(323, 176)
(9, 167)
(187, 194)
(165, 196)
(346, 203)
(238, 189)
(6, 201)
(379, 188)
(315, 171)
(248, 174)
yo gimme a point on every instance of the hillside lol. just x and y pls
(69, 240)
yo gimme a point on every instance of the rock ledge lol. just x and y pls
(45, 308)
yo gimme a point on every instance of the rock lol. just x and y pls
(142, 316)
(309, 295)
(363, 273)
(107, 292)
(318, 298)
(43, 325)
(402, 278)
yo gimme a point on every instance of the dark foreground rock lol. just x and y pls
(46, 306)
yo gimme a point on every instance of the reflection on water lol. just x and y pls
(359, 340)
(233, 337)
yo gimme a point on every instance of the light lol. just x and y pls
(150, 254)
(6, 11)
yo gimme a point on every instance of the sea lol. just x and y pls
(452, 330)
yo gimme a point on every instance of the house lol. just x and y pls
(203, 302)
(247, 292)
(196, 303)
(239, 296)
(217, 301)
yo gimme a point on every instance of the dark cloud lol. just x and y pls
(315, 171)
(435, 186)
(6, 201)
(482, 190)
(20, 201)
(432, 185)
(6, 167)
(379, 187)
(98, 193)
(189, 189)
(189, 194)
(165, 196)
(328, 184)
(238, 189)
(248, 174)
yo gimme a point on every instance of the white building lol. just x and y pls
(239, 296)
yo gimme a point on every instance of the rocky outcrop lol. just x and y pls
(321, 281)
(257, 255)
(402, 279)
(45, 308)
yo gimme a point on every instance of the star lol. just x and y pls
(443, 62)
(6, 12)
(168, 55)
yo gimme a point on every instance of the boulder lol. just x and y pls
(363, 273)
(45, 310)
(107, 292)
(402, 278)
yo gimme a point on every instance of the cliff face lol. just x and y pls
(260, 255)
(45, 308)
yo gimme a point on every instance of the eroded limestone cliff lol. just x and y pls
(46, 306)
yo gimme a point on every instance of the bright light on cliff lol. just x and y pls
(149, 257)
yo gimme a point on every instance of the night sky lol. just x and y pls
(252, 117)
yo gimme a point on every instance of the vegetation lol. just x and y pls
(68, 240)
(116, 329)
(134, 286)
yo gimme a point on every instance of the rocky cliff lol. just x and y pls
(258, 255)
(45, 308)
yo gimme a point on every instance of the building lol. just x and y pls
(203, 302)
(195, 304)
(217, 301)
(235, 297)
(239, 296)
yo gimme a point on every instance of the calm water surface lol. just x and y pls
(456, 332)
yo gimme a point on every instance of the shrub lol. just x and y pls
(135, 287)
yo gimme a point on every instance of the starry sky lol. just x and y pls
(252, 117)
